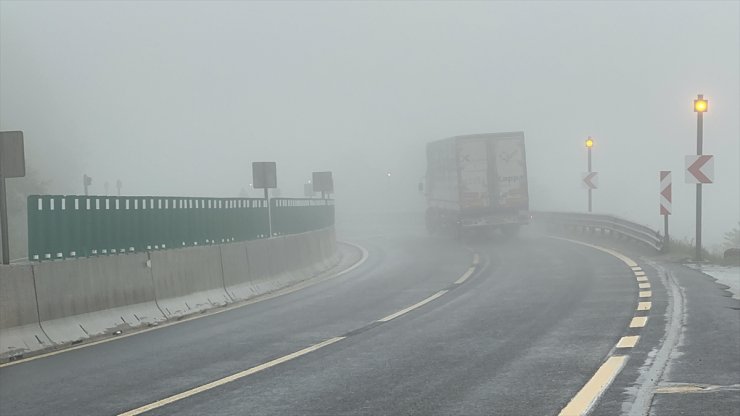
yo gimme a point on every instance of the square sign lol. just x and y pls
(12, 159)
(264, 175)
(699, 169)
(323, 182)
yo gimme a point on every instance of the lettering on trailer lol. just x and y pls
(590, 180)
(700, 169)
(666, 196)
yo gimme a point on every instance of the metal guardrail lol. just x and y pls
(604, 223)
(64, 226)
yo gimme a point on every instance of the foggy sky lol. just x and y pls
(178, 98)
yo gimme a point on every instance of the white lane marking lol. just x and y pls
(644, 306)
(229, 379)
(628, 261)
(412, 307)
(628, 341)
(646, 294)
(210, 312)
(465, 276)
(638, 322)
(644, 285)
(585, 399)
(641, 279)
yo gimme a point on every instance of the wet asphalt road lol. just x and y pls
(519, 337)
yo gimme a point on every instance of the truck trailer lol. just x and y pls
(477, 182)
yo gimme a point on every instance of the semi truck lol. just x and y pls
(477, 182)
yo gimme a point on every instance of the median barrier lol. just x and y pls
(238, 279)
(81, 298)
(188, 280)
(19, 318)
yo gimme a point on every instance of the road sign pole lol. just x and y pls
(699, 149)
(269, 212)
(589, 189)
(666, 237)
(4, 221)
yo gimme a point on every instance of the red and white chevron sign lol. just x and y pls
(700, 169)
(590, 180)
(666, 196)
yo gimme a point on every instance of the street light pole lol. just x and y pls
(700, 107)
(589, 145)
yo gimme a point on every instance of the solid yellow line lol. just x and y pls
(412, 307)
(644, 285)
(465, 276)
(628, 341)
(638, 322)
(644, 306)
(595, 387)
(642, 279)
(646, 294)
(229, 379)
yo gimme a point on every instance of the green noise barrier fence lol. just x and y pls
(64, 226)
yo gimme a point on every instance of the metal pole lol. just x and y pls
(699, 149)
(269, 211)
(4, 221)
(666, 236)
(589, 189)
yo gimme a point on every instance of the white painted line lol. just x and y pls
(628, 261)
(641, 279)
(465, 276)
(644, 306)
(585, 399)
(412, 307)
(646, 294)
(229, 379)
(628, 341)
(644, 285)
(638, 322)
(476, 259)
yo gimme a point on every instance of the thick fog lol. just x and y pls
(178, 98)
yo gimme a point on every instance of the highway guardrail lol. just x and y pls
(604, 223)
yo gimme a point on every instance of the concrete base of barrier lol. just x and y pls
(64, 301)
(20, 331)
(188, 280)
(110, 293)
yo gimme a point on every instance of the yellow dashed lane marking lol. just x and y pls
(642, 279)
(646, 294)
(628, 341)
(644, 306)
(638, 322)
(636, 268)
(229, 379)
(644, 285)
(476, 259)
(595, 387)
(639, 273)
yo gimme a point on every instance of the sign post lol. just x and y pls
(12, 165)
(264, 175)
(666, 197)
(701, 105)
(323, 182)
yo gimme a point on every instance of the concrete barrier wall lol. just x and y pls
(61, 302)
(80, 298)
(19, 319)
